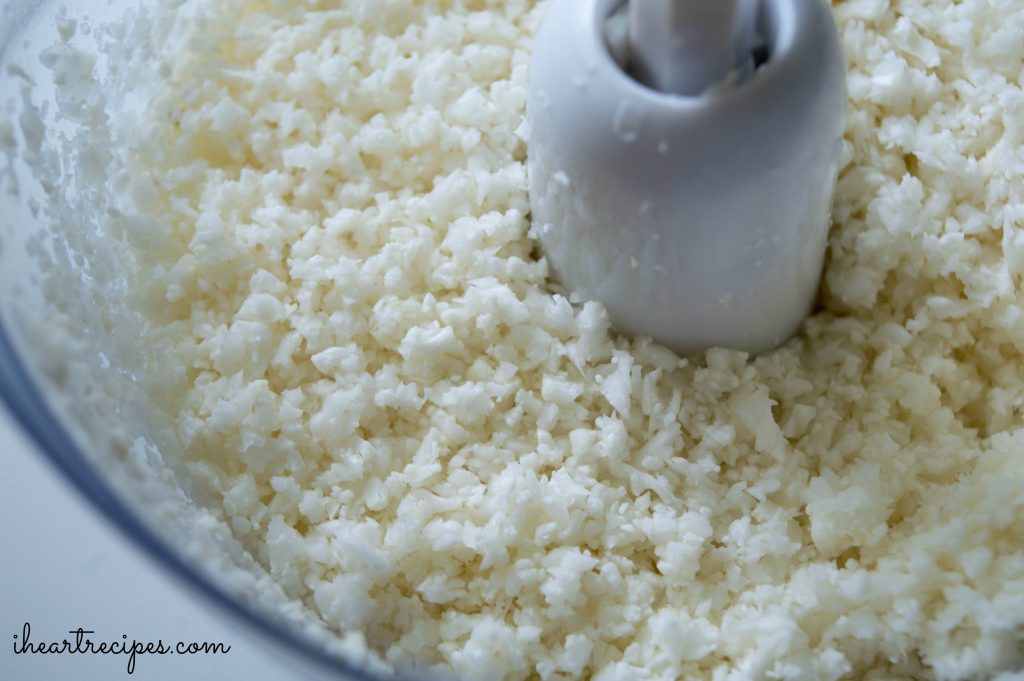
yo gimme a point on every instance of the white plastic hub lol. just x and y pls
(684, 47)
(699, 220)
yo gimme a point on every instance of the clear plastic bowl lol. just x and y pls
(79, 405)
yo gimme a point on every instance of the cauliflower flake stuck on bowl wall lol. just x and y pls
(372, 376)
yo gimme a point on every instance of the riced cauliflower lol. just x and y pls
(425, 442)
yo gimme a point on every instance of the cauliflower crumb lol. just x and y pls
(457, 466)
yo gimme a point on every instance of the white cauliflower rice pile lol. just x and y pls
(420, 438)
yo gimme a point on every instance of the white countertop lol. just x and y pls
(63, 566)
